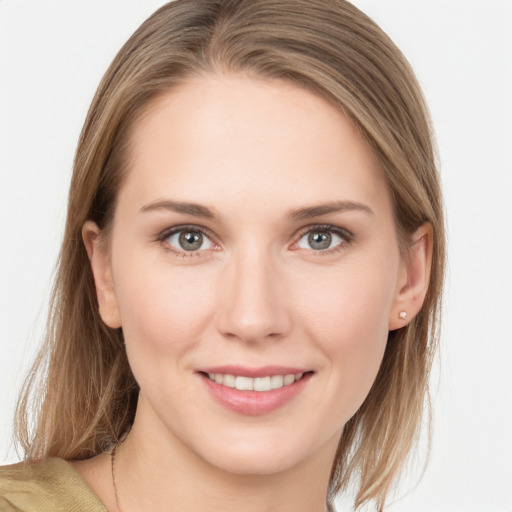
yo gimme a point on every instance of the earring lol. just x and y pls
(402, 315)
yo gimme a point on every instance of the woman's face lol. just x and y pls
(253, 245)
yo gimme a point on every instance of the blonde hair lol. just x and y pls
(81, 387)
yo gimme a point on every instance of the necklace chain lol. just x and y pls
(112, 465)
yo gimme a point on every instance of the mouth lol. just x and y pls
(265, 383)
(254, 391)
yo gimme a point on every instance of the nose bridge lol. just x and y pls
(253, 305)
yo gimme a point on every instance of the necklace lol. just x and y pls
(112, 465)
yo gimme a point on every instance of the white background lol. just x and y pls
(52, 56)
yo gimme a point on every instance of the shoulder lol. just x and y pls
(51, 485)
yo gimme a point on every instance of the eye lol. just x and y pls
(189, 240)
(322, 239)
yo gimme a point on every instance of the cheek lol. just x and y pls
(350, 303)
(348, 321)
(163, 309)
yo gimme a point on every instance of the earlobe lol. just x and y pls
(414, 278)
(99, 259)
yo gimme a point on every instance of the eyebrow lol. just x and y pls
(309, 212)
(193, 209)
(324, 209)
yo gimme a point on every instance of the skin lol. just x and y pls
(256, 293)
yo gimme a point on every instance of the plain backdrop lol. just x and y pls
(52, 56)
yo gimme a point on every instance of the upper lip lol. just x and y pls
(246, 371)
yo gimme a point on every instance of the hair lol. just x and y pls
(80, 396)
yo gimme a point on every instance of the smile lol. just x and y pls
(266, 383)
(254, 391)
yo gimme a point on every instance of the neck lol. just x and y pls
(155, 470)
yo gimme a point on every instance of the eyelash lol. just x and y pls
(178, 229)
(346, 236)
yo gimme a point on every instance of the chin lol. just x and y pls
(252, 463)
(264, 454)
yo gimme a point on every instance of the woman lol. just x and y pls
(246, 306)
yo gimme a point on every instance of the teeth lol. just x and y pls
(243, 383)
(262, 384)
(288, 379)
(256, 384)
(229, 381)
(276, 381)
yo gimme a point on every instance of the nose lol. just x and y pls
(253, 306)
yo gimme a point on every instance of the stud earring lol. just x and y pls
(403, 315)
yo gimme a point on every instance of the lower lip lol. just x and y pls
(254, 403)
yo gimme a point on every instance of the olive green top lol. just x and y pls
(51, 485)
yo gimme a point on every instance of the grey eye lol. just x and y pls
(319, 240)
(189, 240)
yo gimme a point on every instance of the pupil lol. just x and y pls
(190, 240)
(320, 240)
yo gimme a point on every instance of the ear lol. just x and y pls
(413, 279)
(99, 257)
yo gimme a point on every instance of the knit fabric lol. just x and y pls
(51, 485)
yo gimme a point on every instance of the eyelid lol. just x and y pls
(166, 233)
(343, 233)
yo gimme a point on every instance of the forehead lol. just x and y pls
(230, 139)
